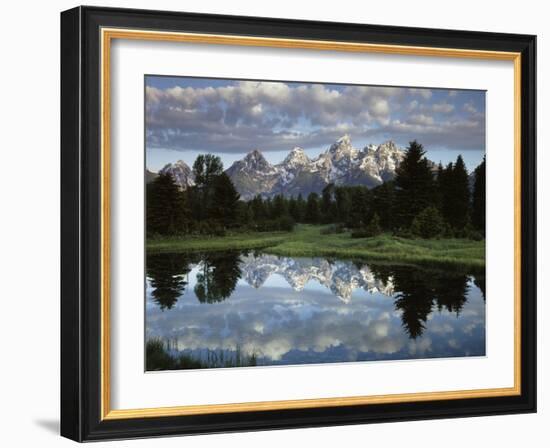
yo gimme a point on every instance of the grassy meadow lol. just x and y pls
(310, 241)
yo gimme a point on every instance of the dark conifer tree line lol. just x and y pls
(420, 201)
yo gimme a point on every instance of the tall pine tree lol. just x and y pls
(312, 209)
(478, 200)
(327, 203)
(384, 204)
(280, 207)
(259, 212)
(459, 200)
(225, 199)
(445, 192)
(414, 185)
(205, 169)
(343, 204)
(166, 208)
(300, 208)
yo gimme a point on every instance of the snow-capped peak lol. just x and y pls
(383, 158)
(344, 140)
(181, 164)
(296, 157)
(343, 148)
(341, 164)
(253, 155)
(255, 160)
(388, 146)
(180, 172)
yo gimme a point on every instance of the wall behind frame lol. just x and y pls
(29, 230)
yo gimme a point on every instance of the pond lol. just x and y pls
(235, 309)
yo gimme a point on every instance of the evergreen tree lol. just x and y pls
(327, 204)
(301, 208)
(205, 169)
(343, 204)
(439, 183)
(445, 192)
(384, 204)
(373, 228)
(360, 212)
(293, 209)
(245, 216)
(280, 207)
(428, 223)
(459, 200)
(312, 209)
(166, 207)
(478, 200)
(259, 212)
(269, 208)
(414, 185)
(224, 206)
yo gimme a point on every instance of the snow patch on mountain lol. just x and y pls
(341, 164)
(181, 173)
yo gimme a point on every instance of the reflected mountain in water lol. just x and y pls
(227, 306)
(340, 277)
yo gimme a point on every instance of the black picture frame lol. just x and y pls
(81, 224)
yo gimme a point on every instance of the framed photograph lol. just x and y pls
(275, 224)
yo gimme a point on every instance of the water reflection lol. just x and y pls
(418, 291)
(217, 277)
(167, 275)
(282, 310)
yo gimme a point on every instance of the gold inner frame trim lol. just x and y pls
(107, 35)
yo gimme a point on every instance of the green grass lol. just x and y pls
(237, 241)
(307, 241)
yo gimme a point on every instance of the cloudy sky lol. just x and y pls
(188, 116)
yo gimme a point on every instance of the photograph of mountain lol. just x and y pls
(297, 174)
(307, 223)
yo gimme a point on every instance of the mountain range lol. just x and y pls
(341, 164)
(342, 278)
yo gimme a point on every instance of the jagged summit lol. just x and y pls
(296, 157)
(255, 156)
(255, 160)
(344, 140)
(343, 148)
(181, 173)
(341, 164)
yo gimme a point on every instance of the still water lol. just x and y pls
(230, 309)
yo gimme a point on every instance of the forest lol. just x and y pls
(422, 201)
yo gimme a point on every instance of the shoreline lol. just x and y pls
(307, 241)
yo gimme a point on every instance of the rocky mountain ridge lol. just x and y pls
(341, 164)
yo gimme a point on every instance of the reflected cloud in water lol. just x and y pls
(311, 310)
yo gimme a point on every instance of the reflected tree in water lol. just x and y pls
(218, 276)
(399, 300)
(168, 277)
(417, 291)
(479, 281)
(451, 292)
(414, 299)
